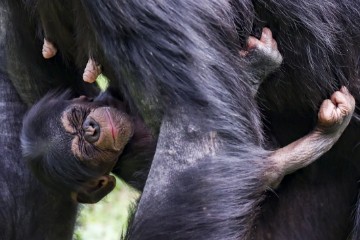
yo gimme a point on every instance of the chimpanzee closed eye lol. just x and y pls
(72, 144)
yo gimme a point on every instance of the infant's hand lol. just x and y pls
(335, 113)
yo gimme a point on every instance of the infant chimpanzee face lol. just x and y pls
(72, 145)
(100, 130)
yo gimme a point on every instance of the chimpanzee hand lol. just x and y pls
(335, 113)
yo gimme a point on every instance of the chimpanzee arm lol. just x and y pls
(207, 177)
(334, 116)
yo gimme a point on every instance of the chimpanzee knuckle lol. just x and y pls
(351, 105)
(338, 98)
(327, 113)
(351, 102)
(325, 105)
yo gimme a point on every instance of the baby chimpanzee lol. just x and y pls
(72, 145)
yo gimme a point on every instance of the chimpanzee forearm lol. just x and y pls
(264, 57)
(300, 153)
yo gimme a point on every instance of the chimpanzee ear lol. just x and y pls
(101, 187)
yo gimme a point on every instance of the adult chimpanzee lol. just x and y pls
(178, 64)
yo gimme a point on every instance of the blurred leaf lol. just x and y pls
(103, 82)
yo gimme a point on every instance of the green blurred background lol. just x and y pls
(107, 219)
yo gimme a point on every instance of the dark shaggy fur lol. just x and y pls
(178, 64)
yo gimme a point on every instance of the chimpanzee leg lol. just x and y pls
(263, 56)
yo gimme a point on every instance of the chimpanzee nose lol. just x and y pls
(92, 130)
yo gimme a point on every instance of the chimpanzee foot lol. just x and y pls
(266, 47)
(92, 71)
(48, 50)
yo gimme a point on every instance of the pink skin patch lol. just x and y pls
(48, 50)
(92, 71)
(110, 120)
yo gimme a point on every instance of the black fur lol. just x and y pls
(178, 64)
